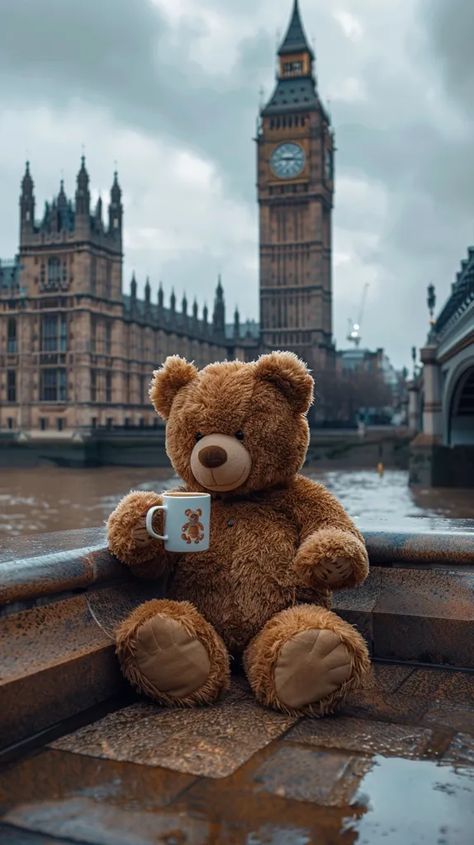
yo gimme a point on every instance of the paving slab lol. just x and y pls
(10, 835)
(211, 741)
(330, 778)
(363, 736)
(461, 751)
(92, 800)
(385, 706)
(438, 684)
(239, 774)
(387, 676)
(448, 714)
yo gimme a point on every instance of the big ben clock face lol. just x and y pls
(287, 160)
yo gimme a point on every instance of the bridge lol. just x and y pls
(441, 398)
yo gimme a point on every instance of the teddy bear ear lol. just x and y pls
(175, 373)
(290, 375)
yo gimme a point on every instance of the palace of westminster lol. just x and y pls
(78, 353)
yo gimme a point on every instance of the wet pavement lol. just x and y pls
(395, 766)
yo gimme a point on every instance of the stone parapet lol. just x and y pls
(60, 610)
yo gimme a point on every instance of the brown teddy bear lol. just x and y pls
(279, 543)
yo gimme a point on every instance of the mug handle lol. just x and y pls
(149, 522)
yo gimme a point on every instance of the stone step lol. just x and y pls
(58, 652)
(58, 659)
(418, 616)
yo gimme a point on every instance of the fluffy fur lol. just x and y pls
(276, 541)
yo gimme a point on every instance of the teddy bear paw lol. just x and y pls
(335, 572)
(311, 666)
(171, 660)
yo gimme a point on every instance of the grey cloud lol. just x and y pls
(450, 34)
(122, 56)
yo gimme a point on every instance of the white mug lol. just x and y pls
(186, 521)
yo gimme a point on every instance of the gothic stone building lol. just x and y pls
(295, 180)
(77, 353)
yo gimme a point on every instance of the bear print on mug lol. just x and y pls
(193, 530)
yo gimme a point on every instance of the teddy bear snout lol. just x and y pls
(212, 456)
(220, 462)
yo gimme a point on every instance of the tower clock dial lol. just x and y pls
(287, 160)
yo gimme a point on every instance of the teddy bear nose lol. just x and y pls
(212, 456)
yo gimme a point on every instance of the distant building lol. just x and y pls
(368, 361)
(75, 351)
(441, 396)
(295, 184)
(380, 380)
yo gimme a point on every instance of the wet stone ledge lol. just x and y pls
(59, 611)
(44, 565)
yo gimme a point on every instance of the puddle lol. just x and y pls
(415, 803)
(398, 802)
(270, 835)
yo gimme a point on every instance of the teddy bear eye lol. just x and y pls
(239, 435)
(198, 436)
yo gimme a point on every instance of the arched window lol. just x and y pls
(54, 272)
(11, 336)
(93, 275)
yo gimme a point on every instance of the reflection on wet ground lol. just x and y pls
(235, 773)
(46, 499)
(415, 802)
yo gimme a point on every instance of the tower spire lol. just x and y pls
(295, 63)
(82, 191)
(27, 181)
(295, 40)
(218, 317)
(27, 202)
(115, 208)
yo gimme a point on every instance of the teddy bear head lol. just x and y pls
(235, 427)
(193, 516)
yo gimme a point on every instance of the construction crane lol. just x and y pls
(354, 326)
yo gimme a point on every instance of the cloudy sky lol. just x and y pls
(169, 89)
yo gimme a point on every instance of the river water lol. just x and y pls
(46, 499)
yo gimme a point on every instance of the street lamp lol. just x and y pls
(431, 302)
(413, 358)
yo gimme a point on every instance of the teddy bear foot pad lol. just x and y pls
(170, 653)
(310, 667)
(174, 661)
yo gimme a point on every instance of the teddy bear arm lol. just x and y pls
(129, 540)
(332, 552)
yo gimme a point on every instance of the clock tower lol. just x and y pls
(295, 183)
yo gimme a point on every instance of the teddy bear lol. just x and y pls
(279, 544)
(192, 530)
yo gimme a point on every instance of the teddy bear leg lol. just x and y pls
(170, 653)
(305, 660)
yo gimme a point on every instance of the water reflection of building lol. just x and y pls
(441, 404)
(74, 350)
